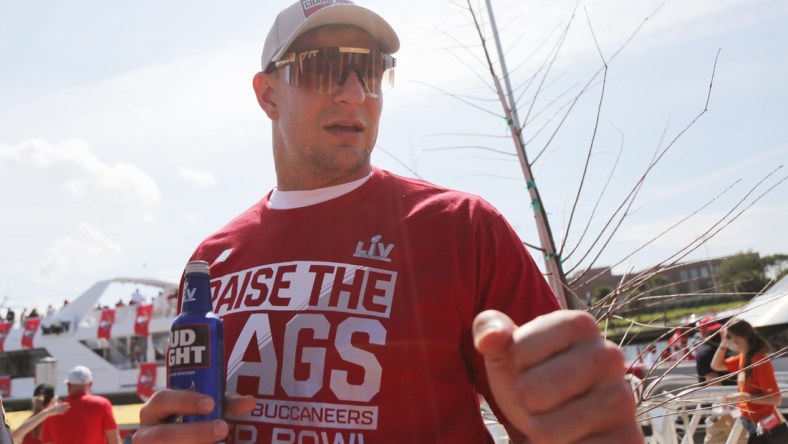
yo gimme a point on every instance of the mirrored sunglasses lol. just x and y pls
(323, 70)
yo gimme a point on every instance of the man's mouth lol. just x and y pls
(346, 127)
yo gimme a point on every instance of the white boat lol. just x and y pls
(69, 337)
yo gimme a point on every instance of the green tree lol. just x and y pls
(647, 294)
(746, 272)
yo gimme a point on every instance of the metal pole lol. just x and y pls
(555, 272)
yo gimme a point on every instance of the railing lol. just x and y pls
(672, 416)
(164, 308)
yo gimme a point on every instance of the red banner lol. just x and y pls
(31, 326)
(143, 318)
(146, 380)
(5, 327)
(105, 324)
(5, 386)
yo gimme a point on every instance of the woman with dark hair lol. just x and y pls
(44, 405)
(758, 395)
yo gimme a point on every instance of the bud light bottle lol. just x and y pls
(195, 356)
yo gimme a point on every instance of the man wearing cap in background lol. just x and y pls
(360, 306)
(708, 328)
(717, 428)
(89, 420)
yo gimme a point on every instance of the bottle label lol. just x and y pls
(190, 347)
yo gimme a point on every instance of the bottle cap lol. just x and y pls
(198, 267)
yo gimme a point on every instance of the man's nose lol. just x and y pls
(352, 89)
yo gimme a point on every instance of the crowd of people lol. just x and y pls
(136, 298)
(10, 314)
(686, 343)
(162, 303)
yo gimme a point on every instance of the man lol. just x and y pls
(354, 301)
(704, 353)
(717, 427)
(89, 420)
(136, 298)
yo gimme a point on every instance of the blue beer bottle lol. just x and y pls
(195, 355)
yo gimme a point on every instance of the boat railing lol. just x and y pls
(126, 314)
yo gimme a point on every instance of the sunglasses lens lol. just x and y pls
(324, 70)
(387, 80)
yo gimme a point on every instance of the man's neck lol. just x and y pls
(77, 393)
(307, 182)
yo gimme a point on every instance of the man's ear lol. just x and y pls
(264, 86)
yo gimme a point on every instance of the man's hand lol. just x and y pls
(165, 403)
(556, 379)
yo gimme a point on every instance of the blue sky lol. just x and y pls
(128, 132)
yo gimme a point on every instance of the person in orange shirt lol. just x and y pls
(758, 394)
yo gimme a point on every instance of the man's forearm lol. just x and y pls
(718, 362)
(113, 437)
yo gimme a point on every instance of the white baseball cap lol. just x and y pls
(305, 15)
(79, 375)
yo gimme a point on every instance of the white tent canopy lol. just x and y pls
(768, 308)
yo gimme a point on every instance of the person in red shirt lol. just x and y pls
(89, 420)
(758, 394)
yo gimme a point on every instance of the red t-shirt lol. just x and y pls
(30, 439)
(86, 422)
(761, 383)
(350, 320)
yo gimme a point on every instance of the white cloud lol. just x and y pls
(90, 252)
(125, 192)
(196, 177)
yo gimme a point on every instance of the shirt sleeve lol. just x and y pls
(732, 363)
(109, 418)
(508, 281)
